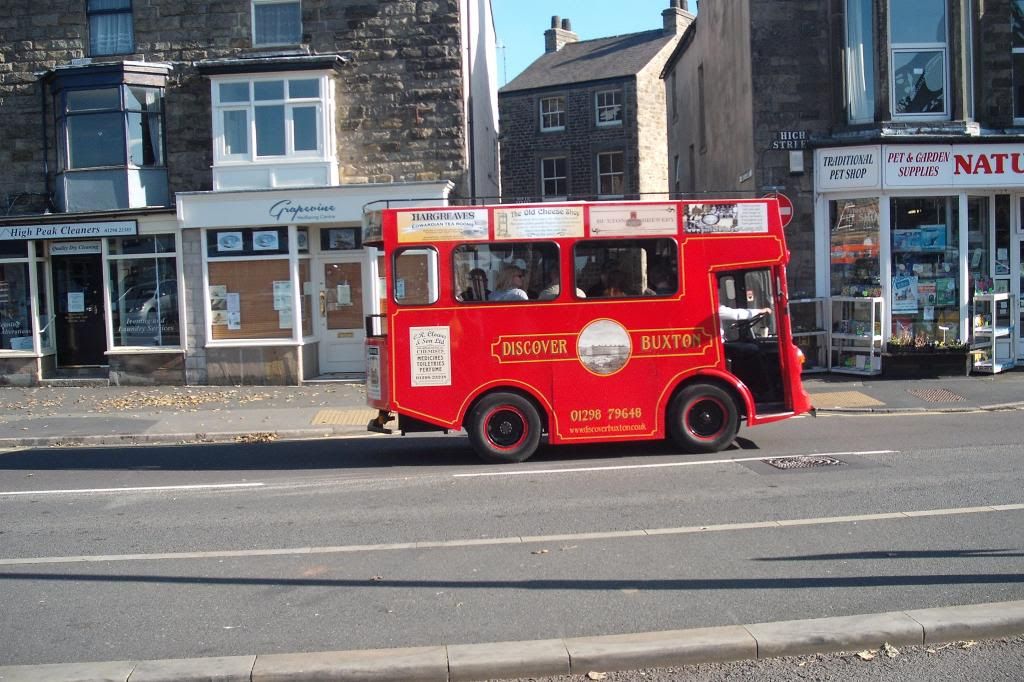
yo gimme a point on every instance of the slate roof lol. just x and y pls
(590, 60)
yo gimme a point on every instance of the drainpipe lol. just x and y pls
(46, 152)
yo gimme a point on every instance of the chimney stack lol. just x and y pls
(677, 17)
(558, 35)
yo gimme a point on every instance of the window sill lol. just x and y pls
(137, 350)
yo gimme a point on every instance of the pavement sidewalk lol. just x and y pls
(118, 415)
(570, 656)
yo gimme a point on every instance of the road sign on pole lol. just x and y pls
(785, 207)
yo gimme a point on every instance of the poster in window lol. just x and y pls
(431, 356)
(229, 241)
(218, 317)
(303, 239)
(933, 237)
(76, 301)
(906, 240)
(264, 240)
(904, 294)
(283, 295)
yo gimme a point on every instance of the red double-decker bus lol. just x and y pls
(583, 322)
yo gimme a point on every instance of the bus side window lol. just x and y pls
(611, 268)
(415, 276)
(506, 272)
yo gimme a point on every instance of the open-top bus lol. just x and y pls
(584, 322)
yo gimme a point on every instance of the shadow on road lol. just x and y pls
(327, 454)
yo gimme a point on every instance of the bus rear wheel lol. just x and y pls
(702, 418)
(504, 428)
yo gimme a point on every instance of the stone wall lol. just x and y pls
(523, 145)
(399, 113)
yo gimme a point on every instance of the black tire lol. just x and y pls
(703, 418)
(504, 428)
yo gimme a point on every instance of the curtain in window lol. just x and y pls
(110, 32)
(277, 24)
(860, 70)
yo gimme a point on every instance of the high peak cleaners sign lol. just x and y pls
(919, 167)
(118, 228)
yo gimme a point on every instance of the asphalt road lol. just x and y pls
(387, 541)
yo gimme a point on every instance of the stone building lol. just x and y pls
(586, 119)
(183, 183)
(894, 126)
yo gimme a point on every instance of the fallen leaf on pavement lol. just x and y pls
(890, 650)
(968, 644)
(539, 551)
(866, 655)
(596, 676)
(256, 437)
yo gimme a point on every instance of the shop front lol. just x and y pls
(919, 248)
(91, 299)
(281, 280)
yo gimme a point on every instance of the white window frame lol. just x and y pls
(615, 107)
(255, 3)
(621, 173)
(559, 114)
(896, 48)
(321, 103)
(555, 178)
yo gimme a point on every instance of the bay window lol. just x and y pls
(263, 119)
(109, 122)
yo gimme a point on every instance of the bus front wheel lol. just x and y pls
(504, 428)
(702, 418)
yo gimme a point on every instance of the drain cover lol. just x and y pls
(803, 462)
(935, 395)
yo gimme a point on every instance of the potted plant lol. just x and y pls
(910, 356)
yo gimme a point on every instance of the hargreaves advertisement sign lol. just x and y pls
(919, 167)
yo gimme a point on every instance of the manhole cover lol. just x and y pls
(935, 395)
(803, 462)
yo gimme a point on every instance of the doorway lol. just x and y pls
(341, 306)
(78, 303)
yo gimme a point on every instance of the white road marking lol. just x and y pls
(513, 540)
(620, 467)
(140, 489)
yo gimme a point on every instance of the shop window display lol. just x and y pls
(144, 291)
(925, 301)
(853, 248)
(251, 288)
(15, 307)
